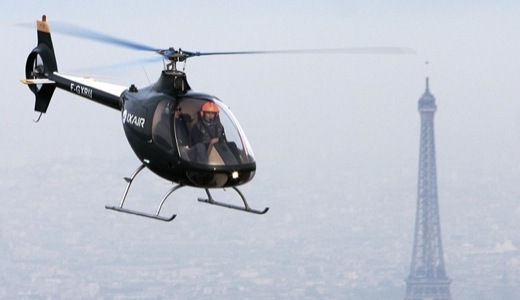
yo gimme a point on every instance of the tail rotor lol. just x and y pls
(40, 63)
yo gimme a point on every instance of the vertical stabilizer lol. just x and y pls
(40, 63)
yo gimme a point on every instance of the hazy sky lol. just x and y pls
(368, 101)
(307, 117)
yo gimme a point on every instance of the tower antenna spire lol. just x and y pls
(427, 67)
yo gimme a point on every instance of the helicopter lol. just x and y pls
(159, 120)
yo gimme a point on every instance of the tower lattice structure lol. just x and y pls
(427, 279)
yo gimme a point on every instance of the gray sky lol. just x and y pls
(471, 48)
(320, 119)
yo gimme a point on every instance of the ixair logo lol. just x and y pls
(134, 120)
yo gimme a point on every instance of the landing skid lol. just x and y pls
(157, 215)
(143, 214)
(245, 208)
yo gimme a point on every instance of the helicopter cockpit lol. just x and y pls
(216, 142)
(208, 138)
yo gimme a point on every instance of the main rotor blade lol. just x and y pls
(116, 66)
(77, 31)
(359, 50)
(181, 55)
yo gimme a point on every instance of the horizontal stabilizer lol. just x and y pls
(37, 81)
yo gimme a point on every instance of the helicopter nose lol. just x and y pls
(210, 179)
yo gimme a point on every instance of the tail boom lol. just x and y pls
(100, 92)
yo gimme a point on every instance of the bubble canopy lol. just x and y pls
(208, 138)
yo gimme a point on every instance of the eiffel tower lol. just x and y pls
(427, 279)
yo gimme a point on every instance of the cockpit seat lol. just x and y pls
(219, 153)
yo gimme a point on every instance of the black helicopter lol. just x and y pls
(159, 120)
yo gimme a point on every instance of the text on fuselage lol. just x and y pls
(129, 118)
(81, 90)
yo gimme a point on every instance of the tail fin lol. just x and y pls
(40, 63)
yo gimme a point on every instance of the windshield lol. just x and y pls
(207, 133)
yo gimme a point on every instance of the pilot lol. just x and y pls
(209, 127)
(206, 131)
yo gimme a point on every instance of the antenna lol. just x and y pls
(427, 68)
(146, 74)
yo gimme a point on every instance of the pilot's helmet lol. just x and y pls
(210, 107)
